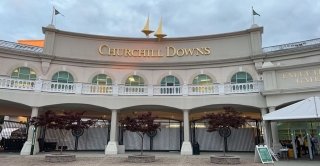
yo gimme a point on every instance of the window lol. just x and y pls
(134, 80)
(24, 73)
(170, 81)
(241, 77)
(202, 79)
(62, 77)
(101, 79)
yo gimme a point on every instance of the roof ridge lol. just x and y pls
(18, 46)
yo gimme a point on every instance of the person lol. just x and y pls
(298, 146)
(314, 144)
(301, 141)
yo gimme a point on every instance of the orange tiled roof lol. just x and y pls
(38, 43)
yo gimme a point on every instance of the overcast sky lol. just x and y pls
(284, 21)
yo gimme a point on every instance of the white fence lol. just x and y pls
(122, 90)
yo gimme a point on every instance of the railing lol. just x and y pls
(96, 89)
(133, 90)
(203, 89)
(291, 45)
(11, 83)
(49, 86)
(243, 87)
(167, 90)
(122, 90)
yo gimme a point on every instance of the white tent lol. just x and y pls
(302, 110)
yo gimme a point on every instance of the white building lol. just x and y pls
(177, 79)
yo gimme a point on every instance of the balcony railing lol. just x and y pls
(11, 83)
(122, 90)
(291, 45)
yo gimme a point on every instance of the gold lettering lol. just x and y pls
(180, 52)
(135, 52)
(170, 52)
(142, 52)
(112, 52)
(159, 53)
(199, 51)
(207, 51)
(173, 51)
(128, 52)
(102, 48)
(189, 51)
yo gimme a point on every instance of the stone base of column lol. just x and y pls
(186, 148)
(111, 148)
(26, 149)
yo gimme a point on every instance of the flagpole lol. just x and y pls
(252, 15)
(52, 15)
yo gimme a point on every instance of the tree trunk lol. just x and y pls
(224, 146)
(63, 133)
(142, 144)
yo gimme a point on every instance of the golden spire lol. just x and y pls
(159, 33)
(146, 29)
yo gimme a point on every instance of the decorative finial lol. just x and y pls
(159, 33)
(146, 29)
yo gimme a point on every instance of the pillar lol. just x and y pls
(112, 147)
(186, 148)
(266, 128)
(275, 136)
(32, 137)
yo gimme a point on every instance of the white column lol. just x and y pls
(32, 136)
(112, 147)
(266, 128)
(186, 148)
(275, 138)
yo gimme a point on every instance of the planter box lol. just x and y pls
(141, 159)
(229, 160)
(57, 158)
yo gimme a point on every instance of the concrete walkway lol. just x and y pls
(162, 159)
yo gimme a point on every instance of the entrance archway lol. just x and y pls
(242, 139)
(93, 138)
(168, 138)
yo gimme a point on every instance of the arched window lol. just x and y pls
(170, 81)
(202, 79)
(101, 79)
(62, 77)
(134, 80)
(24, 73)
(241, 77)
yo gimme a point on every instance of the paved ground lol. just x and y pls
(162, 159)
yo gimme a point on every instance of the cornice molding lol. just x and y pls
(23, 53)
(18, 54)
(294, 66)
(287, 52)
(291, 90)
(159, 65)
(221, 35)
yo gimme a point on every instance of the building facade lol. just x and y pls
(178, 79)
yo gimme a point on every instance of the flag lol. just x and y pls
(254, 12)
(56, 12)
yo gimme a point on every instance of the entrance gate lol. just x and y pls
(93, 138)
(168, 138)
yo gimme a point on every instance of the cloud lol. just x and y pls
(283, 21)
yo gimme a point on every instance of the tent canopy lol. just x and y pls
(302, 110)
